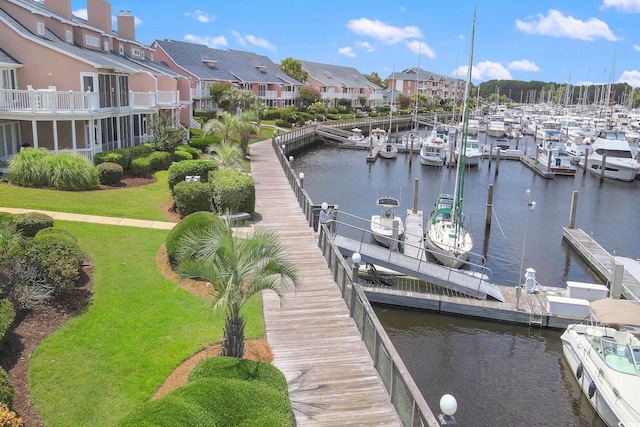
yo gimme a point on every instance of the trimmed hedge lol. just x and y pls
(140, 167)
(232, 190)
(196, 221)
(195, 153)
(242, 369)
(57, 232)
(60, 258)
(181, 156)
(110, 173)
(203, 143)
(120, 157)
(283, 124)
(195, 133)
(191, 197)
(179, 171)
(30, 223)
(159, 161)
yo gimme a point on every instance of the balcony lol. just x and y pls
(65, 102)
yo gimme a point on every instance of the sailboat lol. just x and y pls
(447, 238)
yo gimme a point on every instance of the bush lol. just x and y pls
(159, 161)
(9, 418)
(272, 114)
(60, 258)
(142, 150)
(243, 369)
(140, 167)
(192, 197)
(195, 133)
(52, 231)
(204, 142)
(232, 190)
(195, 221)
(30, 168)
(333, 110)
(72, 172)
(181, 156)
(6, 218)
(30, 223)
(110, 173)
(7, 314)
(179, 171)
(6, 391)
(120, 157)
(283, 124)
(195, 153)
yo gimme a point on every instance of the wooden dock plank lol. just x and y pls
(332, 381)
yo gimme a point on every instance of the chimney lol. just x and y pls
(59, 7)
(126, 25)
(99, 15)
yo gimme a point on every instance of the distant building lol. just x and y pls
(247, 71)
(432, 85)
(336, 82)
(73, 84)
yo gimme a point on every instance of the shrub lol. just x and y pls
(283, 124)
(29, 167)
(110, 173)
(201, 168)
(181, 155)
(120, 157)
(141, 150)
(60, 258)
(52, 231)
(6, 391)
(6, 218)
(192, 197)
(30, 223)
(333, 110)
(140, 167)
(7, 314)
(72, 172)
(159, 160)
(204, 142)
(195, 221)
(272, 114)
(232, 190)
(8, 418)
(243, 369)
(195, 153)
(195, 133)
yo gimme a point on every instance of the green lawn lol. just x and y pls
(138, 202)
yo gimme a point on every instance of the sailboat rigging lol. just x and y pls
(448, 239)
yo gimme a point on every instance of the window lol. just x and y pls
(121, 50)
(69, 36)
(105, 46)
(91, 41)
(40, 28)
(135, 52)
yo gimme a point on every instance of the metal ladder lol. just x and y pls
(534, 318)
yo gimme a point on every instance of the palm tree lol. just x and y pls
(225, 125)
(246, 128)
(238, 268)
(228, 156)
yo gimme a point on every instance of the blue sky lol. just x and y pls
(577, 41)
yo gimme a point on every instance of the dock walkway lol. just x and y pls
(315, 343)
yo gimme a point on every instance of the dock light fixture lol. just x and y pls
(291, 158)
(448, 406)
(324, 206)
(356, 258)
(301, 176)
(531, 205)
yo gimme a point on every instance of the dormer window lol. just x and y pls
(210, 63)
(105, 45)
(327, 74)
(69, 35)
(354, 77)
(40, 28)
(135, 52)
(261, 68)
(92, 41)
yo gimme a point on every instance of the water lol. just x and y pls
(501, 374)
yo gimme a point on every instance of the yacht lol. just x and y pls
(549, 130)
(552, 156)
(432, 150)
(604, 356)
(620, 163)
(382, 225)
(472, 154)
(496, 127)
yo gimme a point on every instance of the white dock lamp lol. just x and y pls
(531, 205)
(356, 258)
(448, 406)
(301, 176)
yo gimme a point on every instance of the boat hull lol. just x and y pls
(612, 169)
(447, 257)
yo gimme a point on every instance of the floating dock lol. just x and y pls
(531, 163)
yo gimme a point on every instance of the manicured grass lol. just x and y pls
(104, 363)
(138, 202)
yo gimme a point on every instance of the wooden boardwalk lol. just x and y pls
(315, 343)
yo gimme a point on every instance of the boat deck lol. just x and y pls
(314, 341)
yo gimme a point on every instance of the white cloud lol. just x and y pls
(630, 77)
(485, 70)
(239, 39)
(419, 48)
(380, 31)
(346, 51)
(263, 43)
(201, 16)
(80, 13)
(556, 24)
(365, 46)
(584, 83)
(523, 65)
(213, 42)
(628, 6)
(637, 47)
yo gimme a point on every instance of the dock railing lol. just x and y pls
(412, 409)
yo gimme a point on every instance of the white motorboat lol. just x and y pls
(382, 226)
(549, 130)
(356, 135)
(552, 156)
(496, 127)
(378, 137)
(411, 140)
(432, 150)
(447, 238)
(604, 356)
(619, 164)
(472, 154)
(388, 150)
(474, 126)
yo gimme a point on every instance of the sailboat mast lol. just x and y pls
(461, 164)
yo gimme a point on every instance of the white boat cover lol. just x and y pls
(610, 311)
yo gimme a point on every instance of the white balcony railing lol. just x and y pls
(45, 100)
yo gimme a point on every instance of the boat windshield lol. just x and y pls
(620, 357)
(621, 154)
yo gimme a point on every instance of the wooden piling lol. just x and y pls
(586, 161)
(572, 212)
(498, 160)
(603, 167)
(488, 212)
(416, 181)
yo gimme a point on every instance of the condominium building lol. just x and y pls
(434, 86)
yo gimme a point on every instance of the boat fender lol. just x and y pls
(579, 371)
(592, 389)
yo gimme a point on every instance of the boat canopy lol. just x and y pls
(610, 311)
